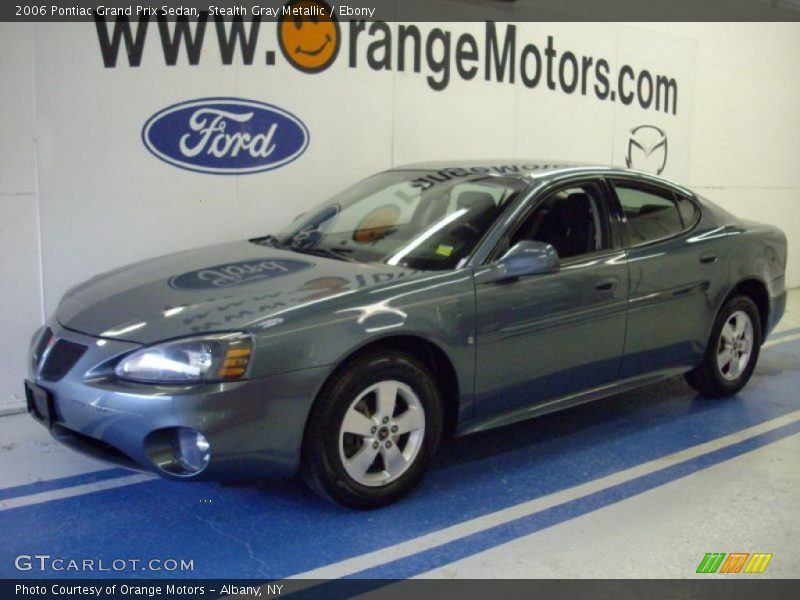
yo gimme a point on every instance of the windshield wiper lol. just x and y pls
(275, 242)
(268, 240)
(319, 252)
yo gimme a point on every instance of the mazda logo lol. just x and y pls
(647, 149)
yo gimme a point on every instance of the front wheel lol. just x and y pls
(732, 351)
(373, 431)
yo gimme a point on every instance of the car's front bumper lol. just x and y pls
(254, 427)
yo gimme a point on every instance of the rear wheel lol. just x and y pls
(732, 351)
(373, 431)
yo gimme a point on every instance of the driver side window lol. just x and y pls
(570, 219)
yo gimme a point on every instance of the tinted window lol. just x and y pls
(571, 220)
(689, 212)
(652, 213)
(410, 218)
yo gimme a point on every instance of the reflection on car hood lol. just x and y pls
(218, 288)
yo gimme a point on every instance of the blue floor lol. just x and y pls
(277, 529)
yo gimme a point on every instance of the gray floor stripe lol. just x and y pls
(77, 490)
(449, 534)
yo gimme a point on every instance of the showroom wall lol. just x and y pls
(83, 191)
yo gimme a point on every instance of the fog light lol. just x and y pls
(178, 450)
(193, 450)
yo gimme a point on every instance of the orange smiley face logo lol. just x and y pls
(308, 35)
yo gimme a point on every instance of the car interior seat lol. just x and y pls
(568, 226)
(661, 221)
(481, 210)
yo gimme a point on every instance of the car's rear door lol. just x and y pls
(552, 335)
(672, 274)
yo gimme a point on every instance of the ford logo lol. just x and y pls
(225, 136)
(237, 273)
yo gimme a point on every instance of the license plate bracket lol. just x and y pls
(40, 404)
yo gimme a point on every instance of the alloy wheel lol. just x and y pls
(735, 345)
(381, 433)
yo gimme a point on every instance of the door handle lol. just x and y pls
(606, 284)
(708, 258)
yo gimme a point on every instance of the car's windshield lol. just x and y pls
(406, 218)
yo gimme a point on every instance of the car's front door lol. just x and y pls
(552, 335)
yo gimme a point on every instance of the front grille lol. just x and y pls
(60, 359)
(93, 447)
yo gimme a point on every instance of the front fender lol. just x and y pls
(438, 308)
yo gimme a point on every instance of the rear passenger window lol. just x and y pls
(690, 214)
(652, 213)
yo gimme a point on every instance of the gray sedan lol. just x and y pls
(428, 300)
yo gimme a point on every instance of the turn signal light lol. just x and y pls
(235, 363)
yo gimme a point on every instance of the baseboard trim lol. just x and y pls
(12, 408)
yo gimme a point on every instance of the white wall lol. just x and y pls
(79, 193)
(745, 149)
(20, 267)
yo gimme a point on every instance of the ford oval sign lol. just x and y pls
(238, 273)
(225, 136)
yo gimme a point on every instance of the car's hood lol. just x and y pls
(218, 288)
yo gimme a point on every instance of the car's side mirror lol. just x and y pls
(525, 258)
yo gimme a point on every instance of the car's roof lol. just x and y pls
(527, 169)
(511, 167)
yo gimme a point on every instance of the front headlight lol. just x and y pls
(220, 357)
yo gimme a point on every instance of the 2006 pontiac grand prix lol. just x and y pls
(424, 301)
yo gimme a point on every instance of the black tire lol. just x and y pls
(322, 467)
(708, 378)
